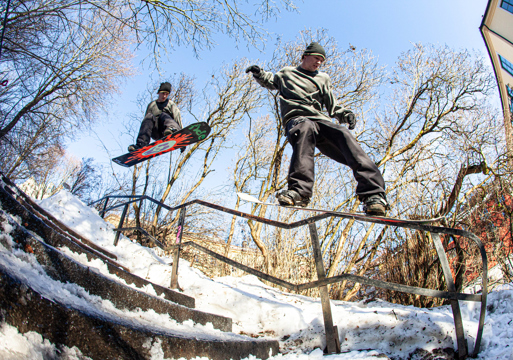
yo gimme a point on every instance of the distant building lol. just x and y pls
(497, 31)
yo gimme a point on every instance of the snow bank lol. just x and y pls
(366, 330)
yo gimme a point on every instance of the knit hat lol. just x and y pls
(315, 49)
(165, 86)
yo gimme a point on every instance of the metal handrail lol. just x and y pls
(323, 281)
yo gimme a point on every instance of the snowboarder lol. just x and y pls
(303, 92)
(161, 119)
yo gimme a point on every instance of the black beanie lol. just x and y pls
(315, 49)
(165, 86)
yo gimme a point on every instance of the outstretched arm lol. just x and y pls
(264, 78)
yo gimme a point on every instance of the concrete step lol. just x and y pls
(39, 227)
(64, 269)
(101, 338)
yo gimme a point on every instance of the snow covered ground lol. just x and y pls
(366, 330)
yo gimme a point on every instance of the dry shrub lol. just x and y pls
(413, 262)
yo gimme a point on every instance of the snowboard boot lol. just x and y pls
(169, 131)
(292, 198)
(135, 147)
(375, 204)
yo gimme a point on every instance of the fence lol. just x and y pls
(332, 339)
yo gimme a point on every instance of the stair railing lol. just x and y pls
(332, 339)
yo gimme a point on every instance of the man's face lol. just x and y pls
(163, 96)
(312, 62)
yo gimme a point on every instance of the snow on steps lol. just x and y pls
(58, 240)
(64, 269)
(98, 335)
(101, 338)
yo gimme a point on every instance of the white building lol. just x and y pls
(497, 31)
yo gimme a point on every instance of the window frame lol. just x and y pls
(506, 65)
(507, 5)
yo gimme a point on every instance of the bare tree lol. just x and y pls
(64, 59)
(430, 136)
(159, 25)
(53, 61)
(164, 24)
(61, 70)
(27, 150)
(355, 91)
(233, 98)
(435, 133)
(224, 103)
(63, 171)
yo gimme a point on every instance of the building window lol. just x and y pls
(507, 5)
(506, 65)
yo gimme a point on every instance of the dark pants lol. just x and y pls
(336, 142)
(154, 128)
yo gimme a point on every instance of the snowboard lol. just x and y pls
(383, 219)
(188, 135)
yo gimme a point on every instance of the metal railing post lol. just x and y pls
(458, 323)
(332, 339)
(120, 226)
(104, 207)
(176, 255)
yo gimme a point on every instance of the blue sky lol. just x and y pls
(387, 28)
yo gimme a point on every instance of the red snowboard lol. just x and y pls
(188, 135)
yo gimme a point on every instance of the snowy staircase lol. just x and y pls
(99, 335)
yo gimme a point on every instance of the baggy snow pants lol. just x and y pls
(153, 127)
(336, 142)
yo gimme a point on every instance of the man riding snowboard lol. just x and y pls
(303, 93)
(161, 119)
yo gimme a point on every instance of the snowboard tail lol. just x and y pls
(187, 136)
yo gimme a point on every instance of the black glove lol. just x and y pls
(347, 117)
(255, 69)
